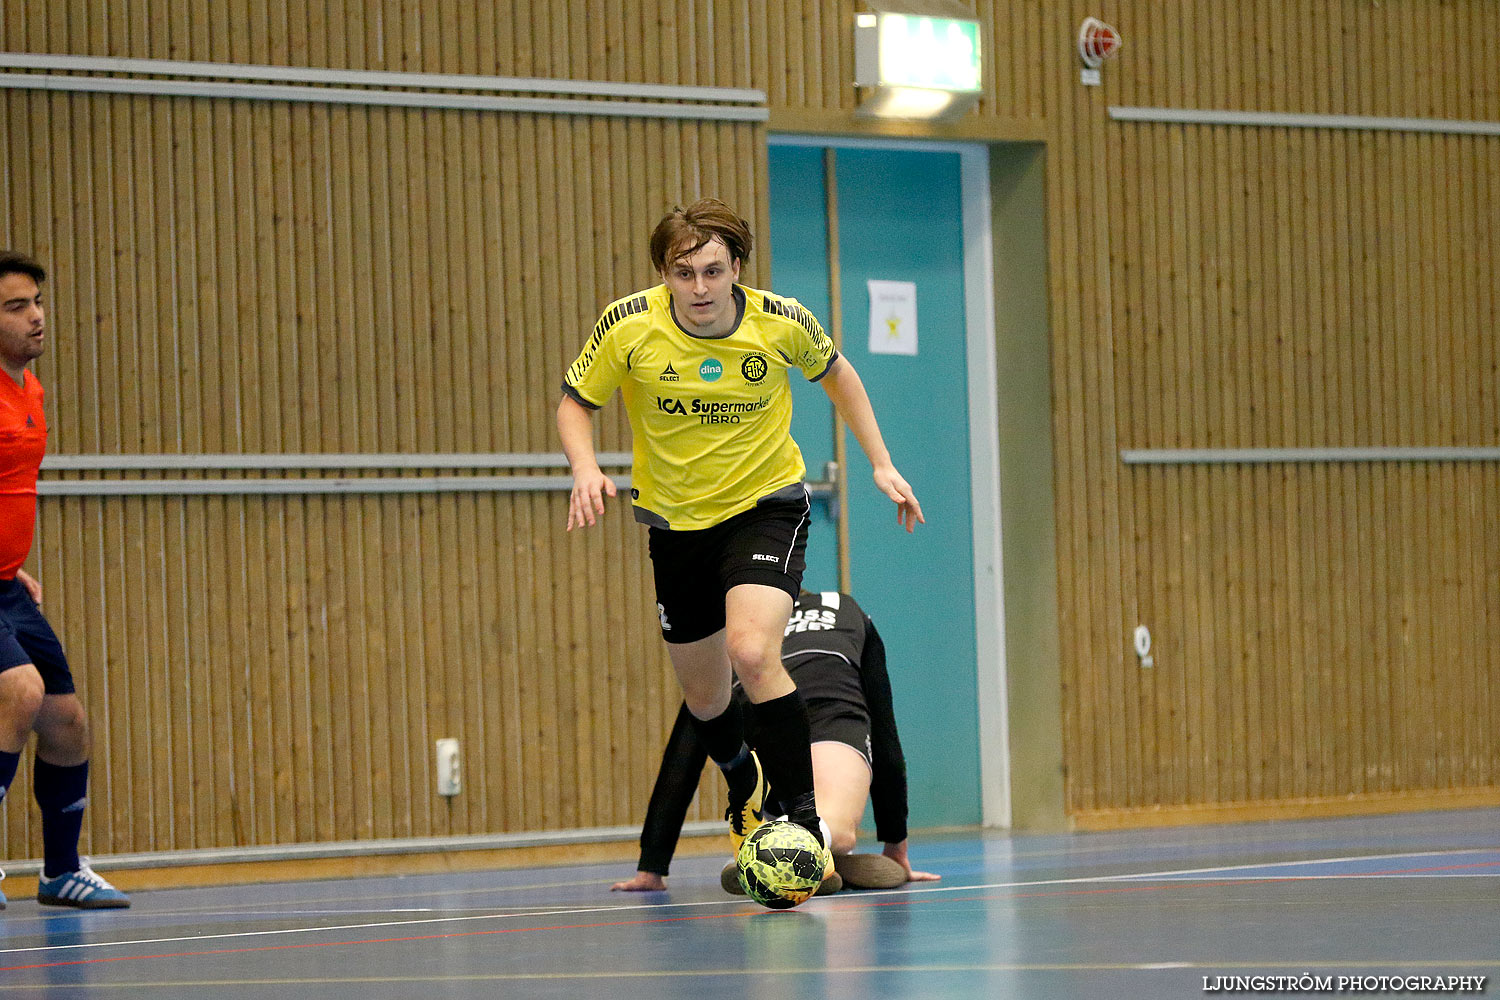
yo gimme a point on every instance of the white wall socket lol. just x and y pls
(449, 778)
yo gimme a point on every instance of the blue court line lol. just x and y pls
(1170, 876)
(1366, 865)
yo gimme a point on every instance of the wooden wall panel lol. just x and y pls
(254, 714)
(1217, 286)
(265, 277)
(247, 276)
(1321, 631)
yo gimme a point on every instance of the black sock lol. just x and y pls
(804, 812)
(61, 792)
(785, 747)
(8, 764)
(724, 738)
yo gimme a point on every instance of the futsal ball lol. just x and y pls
(780, 864)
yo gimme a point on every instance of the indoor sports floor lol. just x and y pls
(1118, 915)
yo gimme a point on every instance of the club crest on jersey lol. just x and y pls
(754, 368)
(710, 370)
(668, 374)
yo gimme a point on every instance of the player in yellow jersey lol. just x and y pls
(702, 365)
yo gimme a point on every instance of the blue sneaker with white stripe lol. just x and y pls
(2, 895)
(84, 889)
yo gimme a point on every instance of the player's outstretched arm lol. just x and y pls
(676, 783)
(590, 486)
(897, 853)
(847, 391)
(887, 763)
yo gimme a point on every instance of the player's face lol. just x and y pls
(701, 286)
(22, 325)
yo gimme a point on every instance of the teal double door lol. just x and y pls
(900, 218)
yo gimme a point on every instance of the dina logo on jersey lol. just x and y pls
(668, 374)
(710, 370)
(754, 368)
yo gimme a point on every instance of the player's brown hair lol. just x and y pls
(15, 262)
(682, 232)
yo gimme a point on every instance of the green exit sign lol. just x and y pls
(911, 50)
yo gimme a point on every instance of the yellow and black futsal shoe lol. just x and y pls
(745, 816)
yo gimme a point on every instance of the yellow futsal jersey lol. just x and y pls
(710, 417)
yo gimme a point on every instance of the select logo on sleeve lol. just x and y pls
(710, 370)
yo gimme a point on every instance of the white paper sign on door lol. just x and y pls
(893, 317)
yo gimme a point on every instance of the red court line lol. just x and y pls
(625, 923)
(1167, 883)
(1419, 871)
(391, 940)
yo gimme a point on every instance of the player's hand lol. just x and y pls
(32, 586)
(897, 853)
(590, 487)
(908, 511)
(643, 882)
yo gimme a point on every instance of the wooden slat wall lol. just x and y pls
(261, 277)
(267, 277)
(1322, 631)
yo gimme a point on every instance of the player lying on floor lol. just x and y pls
(837, 659)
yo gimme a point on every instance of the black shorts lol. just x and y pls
(833, 721)
(25, 637)
(766, 544)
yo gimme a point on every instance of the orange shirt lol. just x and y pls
(23, 441)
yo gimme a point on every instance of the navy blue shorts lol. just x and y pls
(25, 637)
(766, 545)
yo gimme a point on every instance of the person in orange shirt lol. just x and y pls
(36, 687)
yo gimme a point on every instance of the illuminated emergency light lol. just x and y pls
(913, 66)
